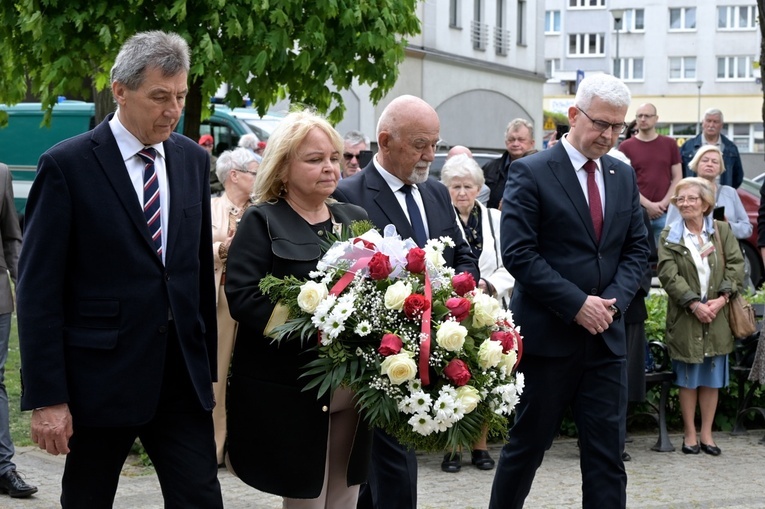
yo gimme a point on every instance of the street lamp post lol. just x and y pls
(698, 108)
(618, 14)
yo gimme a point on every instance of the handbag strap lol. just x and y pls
(719, 241)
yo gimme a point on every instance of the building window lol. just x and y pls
(521, 29)
(634, 20)
(737, 17)
(501, 36)
(479, 32)
(586, 44)
(578, 4)
(630, 69)
(742, 136)
(552, 65)
(734, 68)
(552, 22)
(454, 14)
(683, 18)
(682, 68)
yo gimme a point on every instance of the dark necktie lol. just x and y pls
(593, 195)
(415, 216)
(151, 197)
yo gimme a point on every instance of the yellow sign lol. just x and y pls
(549, 124)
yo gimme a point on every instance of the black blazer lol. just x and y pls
(277, 433)
(369, 190)
(549, 246)
(93, 296)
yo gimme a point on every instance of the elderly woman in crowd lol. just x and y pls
(250, 142)
(700, 267)
(464, 179)
(236, 170)
(282, 439)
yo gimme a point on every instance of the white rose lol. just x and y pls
(451, 336)
(489, 354)
(396, 294)
(508, 361)
(435, 257)
(485, 310)
(311, 294)
(399, 368)
(469, 397)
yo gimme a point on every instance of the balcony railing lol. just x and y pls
(479, 35)
(501, 41)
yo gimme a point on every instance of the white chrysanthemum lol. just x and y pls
(422, 424)
(334, 325)
(415, 385)
(343, 310)
(448, 390)
(520, 382)
(443, 408)
(420, 401)
(325, 306)
(405, 406)
(363, 328)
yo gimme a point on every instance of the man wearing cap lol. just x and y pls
(207, 142)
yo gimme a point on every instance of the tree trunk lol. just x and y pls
(104, 103)
(193, 110)
(761, 10)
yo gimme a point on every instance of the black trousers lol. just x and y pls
(392, 479)
(593, 383)
(179, 440)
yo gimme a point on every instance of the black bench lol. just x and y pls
(661, 375)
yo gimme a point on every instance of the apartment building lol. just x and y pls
(479, 63)
(684, 56)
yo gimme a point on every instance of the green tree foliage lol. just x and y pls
(264, 49)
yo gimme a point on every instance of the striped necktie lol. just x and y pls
(151, 197)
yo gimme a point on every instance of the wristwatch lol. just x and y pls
(614, 310)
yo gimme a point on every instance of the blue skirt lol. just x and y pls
(713, 372)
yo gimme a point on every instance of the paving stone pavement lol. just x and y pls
(734, 480)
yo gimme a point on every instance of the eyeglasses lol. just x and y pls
(644, 116)
(349, 157)
(690, 200)
(246, 171)
(601, 125)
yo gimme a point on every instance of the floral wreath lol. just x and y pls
(430, 356)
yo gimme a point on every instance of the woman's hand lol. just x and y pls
(706, 312)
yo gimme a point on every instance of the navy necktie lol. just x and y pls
(151, 197)
(593, 195)
(415, 216)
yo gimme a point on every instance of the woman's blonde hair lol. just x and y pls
(700, 153)
(282, 149)
(705, 192)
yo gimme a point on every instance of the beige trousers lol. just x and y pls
(226, 337)
(335, 494)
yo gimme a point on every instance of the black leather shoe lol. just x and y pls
(481, 460)
(12, 484)
(690, 449)
(626, 456)
(712, 450)
(452, 463)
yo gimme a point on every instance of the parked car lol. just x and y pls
(480, 157)
(749, 192)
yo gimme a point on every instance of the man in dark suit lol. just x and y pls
(574, 239)
(116, 303)
(395, 189)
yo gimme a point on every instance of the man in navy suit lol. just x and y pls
(574, 239)
(117, 324)
(407, 136)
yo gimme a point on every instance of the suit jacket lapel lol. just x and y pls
(387, 202)
(609, 168)
(108, 155)
(175, 162)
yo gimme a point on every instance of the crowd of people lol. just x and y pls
(155, 326)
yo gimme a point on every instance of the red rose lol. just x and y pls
(365, 243)
(390, 345)
(415, 260)
(458, 372)
(509, 339)
(463, 283)
(379, 266)
(415, 305)
(458, 307)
